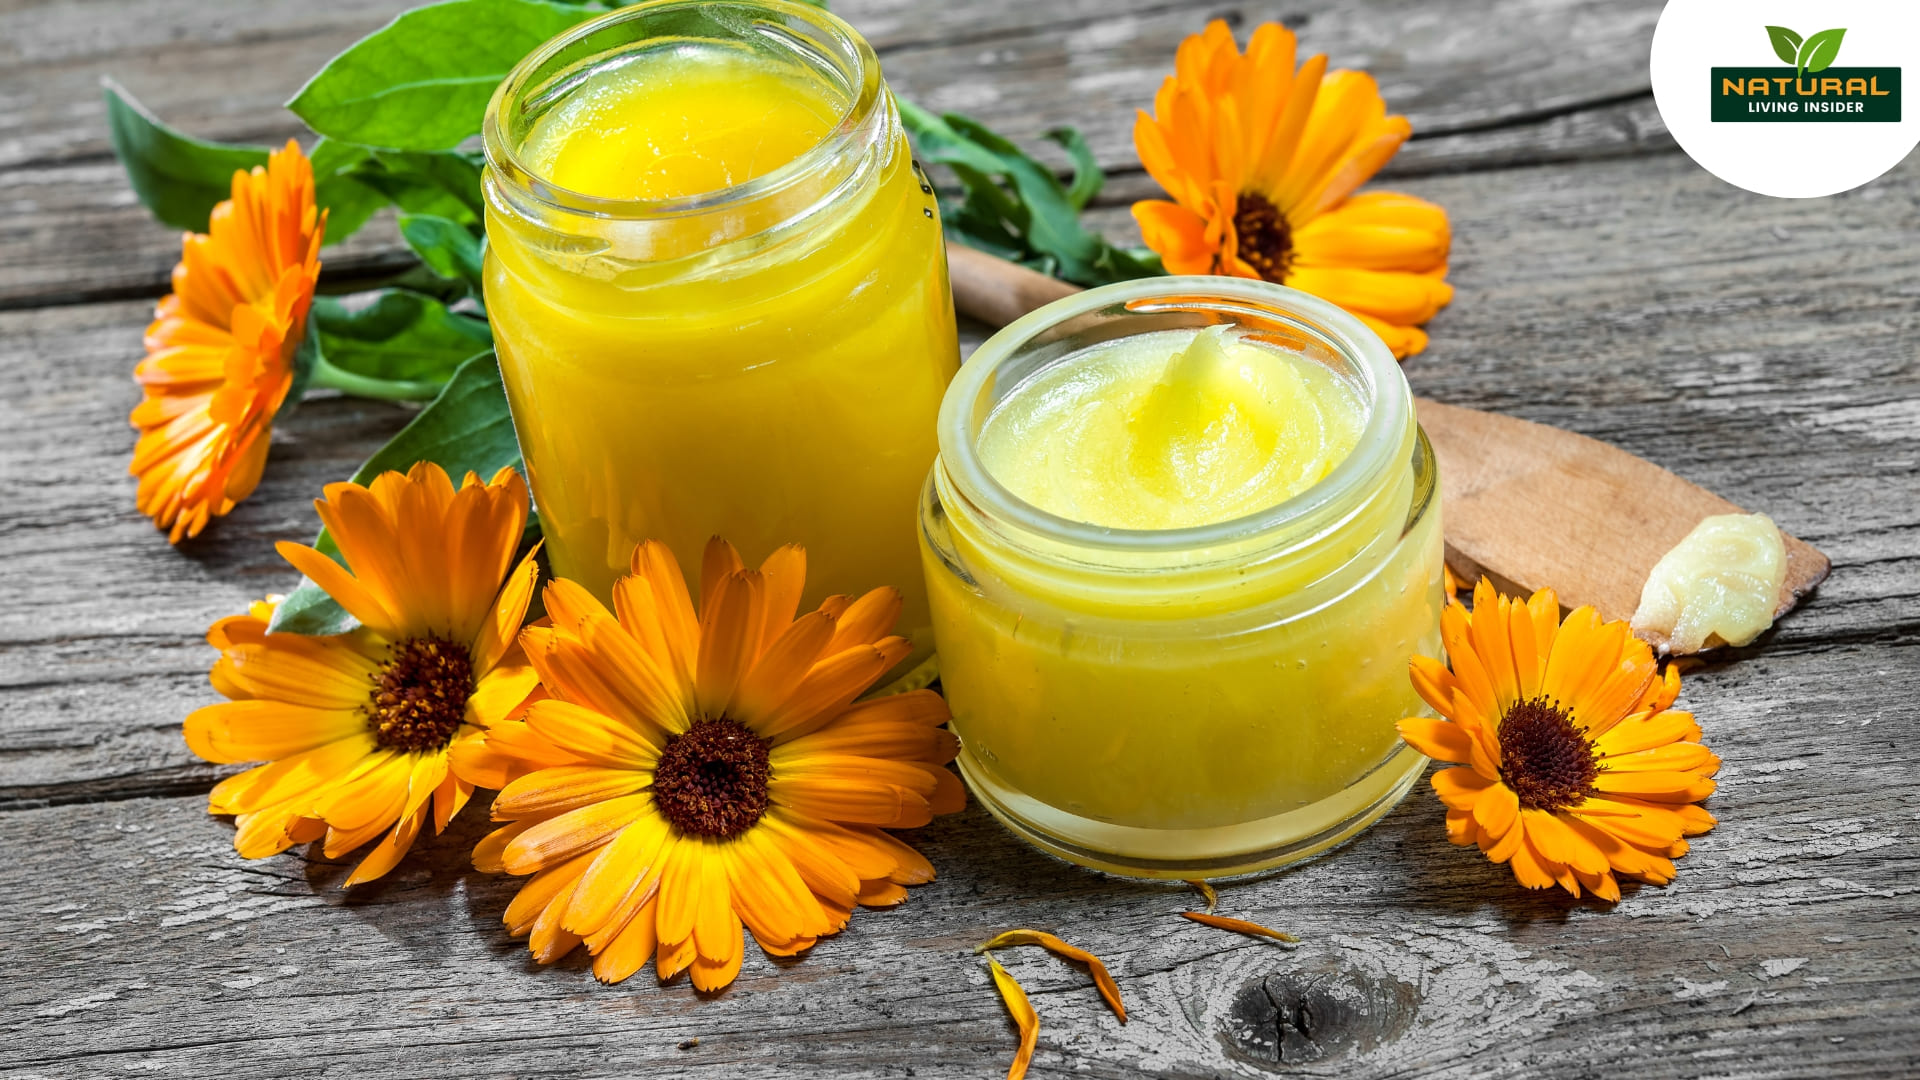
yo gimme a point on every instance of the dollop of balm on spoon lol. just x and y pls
(1721, 584)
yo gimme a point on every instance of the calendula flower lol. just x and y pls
(220, 349)
(691, 773)
(1262, 162)
(1573, 767)
(355, 728)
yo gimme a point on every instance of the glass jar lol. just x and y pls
(1191, 702)
(762, 362)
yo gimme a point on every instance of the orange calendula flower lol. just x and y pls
(355, 728)
(690, 772)
(1262, 162)
(220, 349)
(1573, 765)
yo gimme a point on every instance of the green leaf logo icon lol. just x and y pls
(1786, 44)
(1818, 51)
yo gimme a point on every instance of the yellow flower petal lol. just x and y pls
(1023, 1015)
(566, 787)
(1438, 739)
(1460, 788)
(1392, 296)
(253, 730)
(568, 835)
(1494, 811)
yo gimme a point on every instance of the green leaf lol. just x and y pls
(1014, 206)
(1786, 43)
(1088, 177)
(400, 335)
(447, 247)
(466, 429)
(308, 609)
(179, 178)
(1818, 52)
(347, 201)
(422, 82)
(443, 183)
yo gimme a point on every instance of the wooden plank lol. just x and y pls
(1637, 301)
(141, 945)
(1022, 66)
(1449, 67)
(75, 232)
(1485, 85)
(221, 71)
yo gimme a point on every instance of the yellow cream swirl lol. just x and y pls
(1171, 430)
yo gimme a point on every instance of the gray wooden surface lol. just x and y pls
(1765, 349)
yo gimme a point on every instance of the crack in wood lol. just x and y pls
(187, 780)
(1534, 117)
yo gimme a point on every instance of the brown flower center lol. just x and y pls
(1265, 239)
(712, 781)
(1544, 758)
(420, 694)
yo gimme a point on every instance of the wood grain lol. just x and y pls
(1768, 350)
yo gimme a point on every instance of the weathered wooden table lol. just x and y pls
(1763, 348)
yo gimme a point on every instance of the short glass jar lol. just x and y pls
(1191, 702)
(763, 361)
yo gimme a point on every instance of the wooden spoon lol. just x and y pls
(1527, 505)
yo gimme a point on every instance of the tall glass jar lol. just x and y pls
(1190, 702)
(763, 361)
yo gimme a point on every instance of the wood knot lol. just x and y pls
(1315, 1014)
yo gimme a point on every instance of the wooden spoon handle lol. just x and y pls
(996, 291)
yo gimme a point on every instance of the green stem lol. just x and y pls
(327, 376)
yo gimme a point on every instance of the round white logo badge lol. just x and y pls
(1795, 99)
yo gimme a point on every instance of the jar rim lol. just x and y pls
(1387, 397)
(867, 92)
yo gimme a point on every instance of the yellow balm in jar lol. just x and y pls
(1170, 430)
(1181, 542)
(719, 293)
